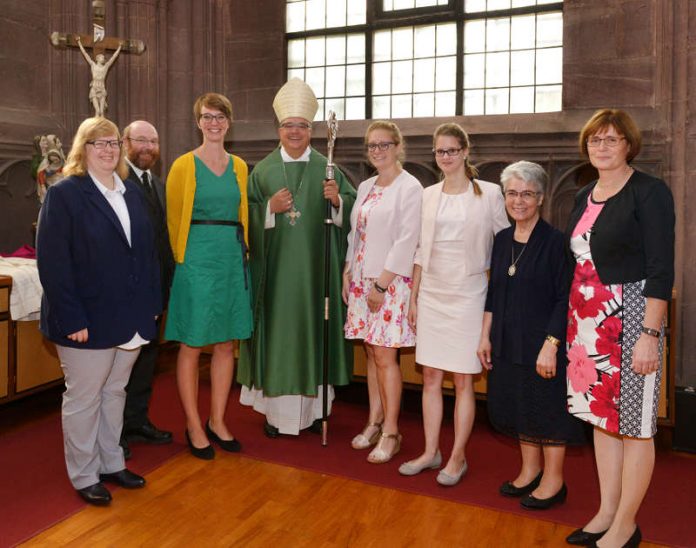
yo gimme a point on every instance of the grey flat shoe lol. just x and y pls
(443, 478)
(410, 468)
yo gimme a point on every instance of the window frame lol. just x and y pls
(377, 19)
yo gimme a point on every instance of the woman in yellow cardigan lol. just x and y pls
(210, 301)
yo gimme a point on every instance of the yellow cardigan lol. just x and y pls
(181, 189)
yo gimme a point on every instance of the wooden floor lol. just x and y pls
(238, 501)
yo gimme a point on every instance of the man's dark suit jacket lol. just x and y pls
(91, 277)
(158, 218)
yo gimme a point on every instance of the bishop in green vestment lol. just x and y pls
(280, 367)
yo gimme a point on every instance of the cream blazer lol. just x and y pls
(483, 223)
(392, 230)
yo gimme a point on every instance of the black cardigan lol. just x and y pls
(633, 236)
(539, 305)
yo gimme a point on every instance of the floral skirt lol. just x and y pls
(388, 326)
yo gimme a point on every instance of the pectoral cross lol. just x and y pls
(99, 43)
(293, 215)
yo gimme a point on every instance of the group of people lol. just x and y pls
(568, 325)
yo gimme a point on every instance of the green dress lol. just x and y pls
(210, 296)
(284, 357)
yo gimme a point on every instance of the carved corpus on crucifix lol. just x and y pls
(99, 43)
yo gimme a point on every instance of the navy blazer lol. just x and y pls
(538, 305)
(90, 275)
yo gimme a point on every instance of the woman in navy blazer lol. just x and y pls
(99, 270)
(523, 341)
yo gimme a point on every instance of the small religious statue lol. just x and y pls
(97, 87)
(50, 166)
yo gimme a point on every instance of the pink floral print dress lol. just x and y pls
(604, 323)
(388, 326)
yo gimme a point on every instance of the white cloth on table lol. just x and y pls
(25, 296)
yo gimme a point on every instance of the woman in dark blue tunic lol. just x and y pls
(523, 341)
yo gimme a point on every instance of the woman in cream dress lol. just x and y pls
(460, 217)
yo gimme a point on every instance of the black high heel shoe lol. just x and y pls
(632, 542)
(204, 453)
(232, 446)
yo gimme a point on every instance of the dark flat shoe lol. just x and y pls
(580, 537)
(124, 478)
(205, 453)
(532, 503)
(148, 433)
(508, 489)
(233, 445)
(632, 542)
(270, 431)
(316, 427)
(95, 494)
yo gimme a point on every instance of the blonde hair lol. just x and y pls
(89, 130)
(395, 132)
(451, 129)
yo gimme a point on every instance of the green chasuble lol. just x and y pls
(284, 355)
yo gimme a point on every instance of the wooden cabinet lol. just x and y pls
(28, 363)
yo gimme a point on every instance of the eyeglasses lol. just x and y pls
(295, 125)
(609, 141)
(208, 118)
(441, 152)
(101, 144)
(142, 141)
(372, 147)
(525, 194)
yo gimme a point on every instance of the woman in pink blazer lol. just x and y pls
(385, 224)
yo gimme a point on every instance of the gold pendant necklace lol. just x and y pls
(513, 267)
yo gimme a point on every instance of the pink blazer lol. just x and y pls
(483, 224)
(392, 230)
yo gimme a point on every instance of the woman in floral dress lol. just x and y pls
(621, 234)
(385, 223)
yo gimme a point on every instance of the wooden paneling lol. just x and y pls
(4, 357)
(5, 297)
(37, 360)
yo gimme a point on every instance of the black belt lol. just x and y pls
(240, 239)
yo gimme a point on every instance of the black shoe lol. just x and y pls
(635, 539)
(508, 489)
(127, 454)
(124, 478)
(205, 453)
(316, 427)
(95, 494)
(233, 445)
(532, 503)
(147, 433)
(580, 537)
(270, 430)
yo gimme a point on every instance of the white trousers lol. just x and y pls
(93, 402)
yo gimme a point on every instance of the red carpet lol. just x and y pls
(35, 491)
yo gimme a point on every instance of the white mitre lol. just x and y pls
(295, 100)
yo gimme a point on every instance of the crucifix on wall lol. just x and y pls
(100, 44)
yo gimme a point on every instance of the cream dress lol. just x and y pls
(450, 302)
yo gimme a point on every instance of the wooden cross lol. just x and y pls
(99, 43)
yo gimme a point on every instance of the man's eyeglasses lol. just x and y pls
(525, 194)
(101, 144)
(142, 141)
(208, 118)
(442, 152)
(381, 146)
(609, 141)
(295, 125)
